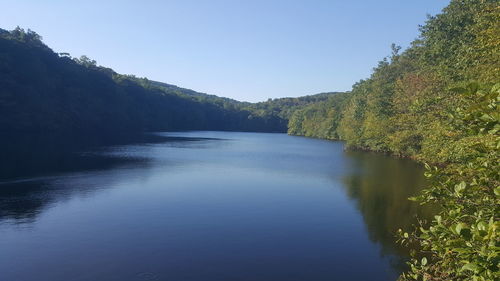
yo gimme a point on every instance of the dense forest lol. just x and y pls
(436, 102)
(403, 108)
(44, 91)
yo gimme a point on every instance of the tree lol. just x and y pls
(462, 242)
(86, 61)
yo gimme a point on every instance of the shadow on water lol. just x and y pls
(28, 164)
(28, 156)
(381, 187)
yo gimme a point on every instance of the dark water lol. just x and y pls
(201, 206)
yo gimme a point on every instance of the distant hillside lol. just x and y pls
(284, 107)
(42, 91)
(191, 93)
(281, 107)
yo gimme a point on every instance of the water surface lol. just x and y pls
(202, 206)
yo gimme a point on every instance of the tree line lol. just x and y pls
(44, 91)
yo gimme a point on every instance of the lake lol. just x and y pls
(202, 206)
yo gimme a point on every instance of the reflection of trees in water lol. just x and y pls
(27, 156)
(29, 164)
(23, 200)
(381, 186)
(20, 201)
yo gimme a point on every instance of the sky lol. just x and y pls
(247, 50)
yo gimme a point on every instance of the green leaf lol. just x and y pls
(495, 88)
(471, 267)
(424, 261)
(460, 187)
(481, 225)
(438, 219)
(486, 117)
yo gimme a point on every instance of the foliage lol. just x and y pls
(462, 243)
(403, 107)
(319, 119)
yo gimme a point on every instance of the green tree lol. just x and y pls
(462, 243)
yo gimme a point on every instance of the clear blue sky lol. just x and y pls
(248, 50)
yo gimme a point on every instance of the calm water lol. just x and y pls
(201, 206)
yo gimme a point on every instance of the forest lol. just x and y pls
(44, 91)
(436, 102)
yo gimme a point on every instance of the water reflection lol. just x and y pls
(380, 187)
(31, 165)
(201, 206)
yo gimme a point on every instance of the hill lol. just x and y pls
(44, 91)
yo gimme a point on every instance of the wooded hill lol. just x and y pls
(44, 91)
(404, 107)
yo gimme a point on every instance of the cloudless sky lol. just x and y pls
(247, 50)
